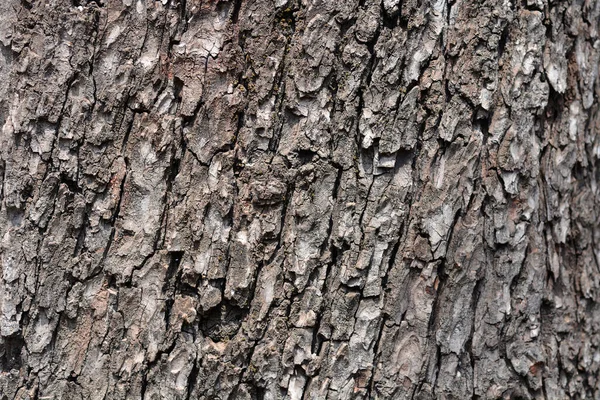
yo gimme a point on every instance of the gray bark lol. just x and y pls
(299, 199)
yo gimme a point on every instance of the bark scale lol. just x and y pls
(299, 199)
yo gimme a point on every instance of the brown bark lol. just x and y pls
(294, 199)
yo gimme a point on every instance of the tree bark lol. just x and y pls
(299, 199)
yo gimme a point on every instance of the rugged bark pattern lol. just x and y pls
(293, 199)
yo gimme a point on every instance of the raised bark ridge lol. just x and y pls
(304, 200)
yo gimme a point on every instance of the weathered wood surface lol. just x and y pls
(294, 199)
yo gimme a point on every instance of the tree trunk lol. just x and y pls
(290, 199)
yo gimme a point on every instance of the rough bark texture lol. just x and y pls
(293, 199)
